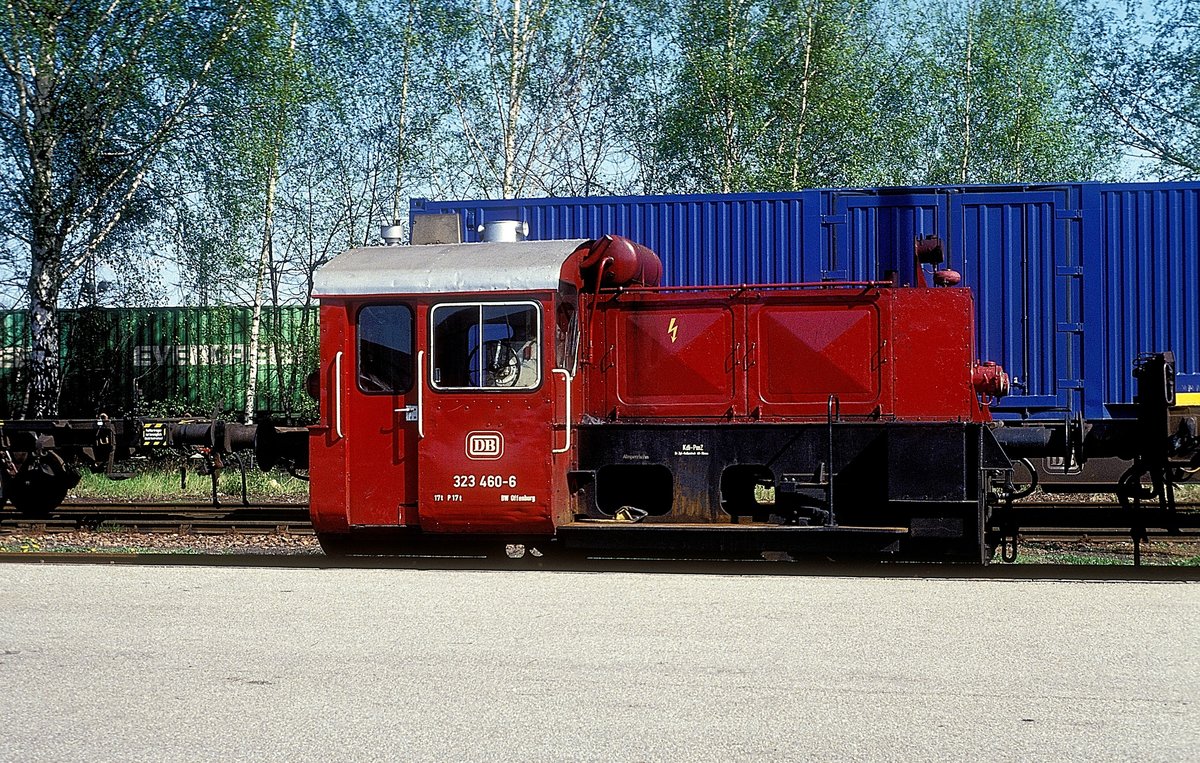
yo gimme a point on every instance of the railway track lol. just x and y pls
(181, 518)
(1058, 520)
(1064, 520)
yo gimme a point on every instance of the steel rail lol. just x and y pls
(183, 518)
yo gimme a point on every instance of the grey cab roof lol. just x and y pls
(444, 268)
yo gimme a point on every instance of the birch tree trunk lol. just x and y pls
(806, 79)
(274, 139)
(964, 169)
(264, 261)
(45, 380)
(45, 254)
(402, 116)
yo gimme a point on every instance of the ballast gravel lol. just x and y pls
(84, 542)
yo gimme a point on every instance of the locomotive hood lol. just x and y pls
(437, 268)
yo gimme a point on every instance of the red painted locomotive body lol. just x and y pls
(782, 354)
(518, 392)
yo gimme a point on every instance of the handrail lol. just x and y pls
(421, 394)
(833, 413)
(567, 377)
(749, 287)
(337, 394)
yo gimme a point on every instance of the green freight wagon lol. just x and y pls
(168, 361)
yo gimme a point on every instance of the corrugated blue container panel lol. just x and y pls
(1014, 247)
(869, 234)
(733, 239)
(1146, 267)
(1071, 281)
(1016, 251)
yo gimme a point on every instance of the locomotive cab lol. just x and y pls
(446, 377)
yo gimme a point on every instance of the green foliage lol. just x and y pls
(777, 96)
(93, 94)
(773, 96)
(240, 155)
(385, 130)
(1006, 101)
(1145, 75)
(541, 95)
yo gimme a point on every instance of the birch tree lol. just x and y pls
(1144, 72)
(772, 95)
(266, 138)
(236, 167)
(539, 109)
(1008, 105)
(91, 95)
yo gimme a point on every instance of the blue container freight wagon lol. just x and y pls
(1072, 281)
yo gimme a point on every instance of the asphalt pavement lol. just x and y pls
(218, 663)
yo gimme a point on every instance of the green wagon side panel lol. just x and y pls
(169, 361)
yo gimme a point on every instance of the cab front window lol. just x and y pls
(486, 346)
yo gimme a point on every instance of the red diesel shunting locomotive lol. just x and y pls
(549, 393)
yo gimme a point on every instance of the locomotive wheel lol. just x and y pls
(35, 493)
(335, 544)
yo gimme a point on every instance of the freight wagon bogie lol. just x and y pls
(36, 483)
(42, 460)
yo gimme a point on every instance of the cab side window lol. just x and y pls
(485, 346)
(566, 330)
(385, 348)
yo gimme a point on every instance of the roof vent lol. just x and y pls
(392, 235)
(503, 231)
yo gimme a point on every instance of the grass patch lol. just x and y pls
(1162, 552)
(159, 481)
(1187, 491)
(1071, 558)
(32, 546)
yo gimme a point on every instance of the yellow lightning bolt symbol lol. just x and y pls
(673, 330)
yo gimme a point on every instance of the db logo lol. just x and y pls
(485, 446)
